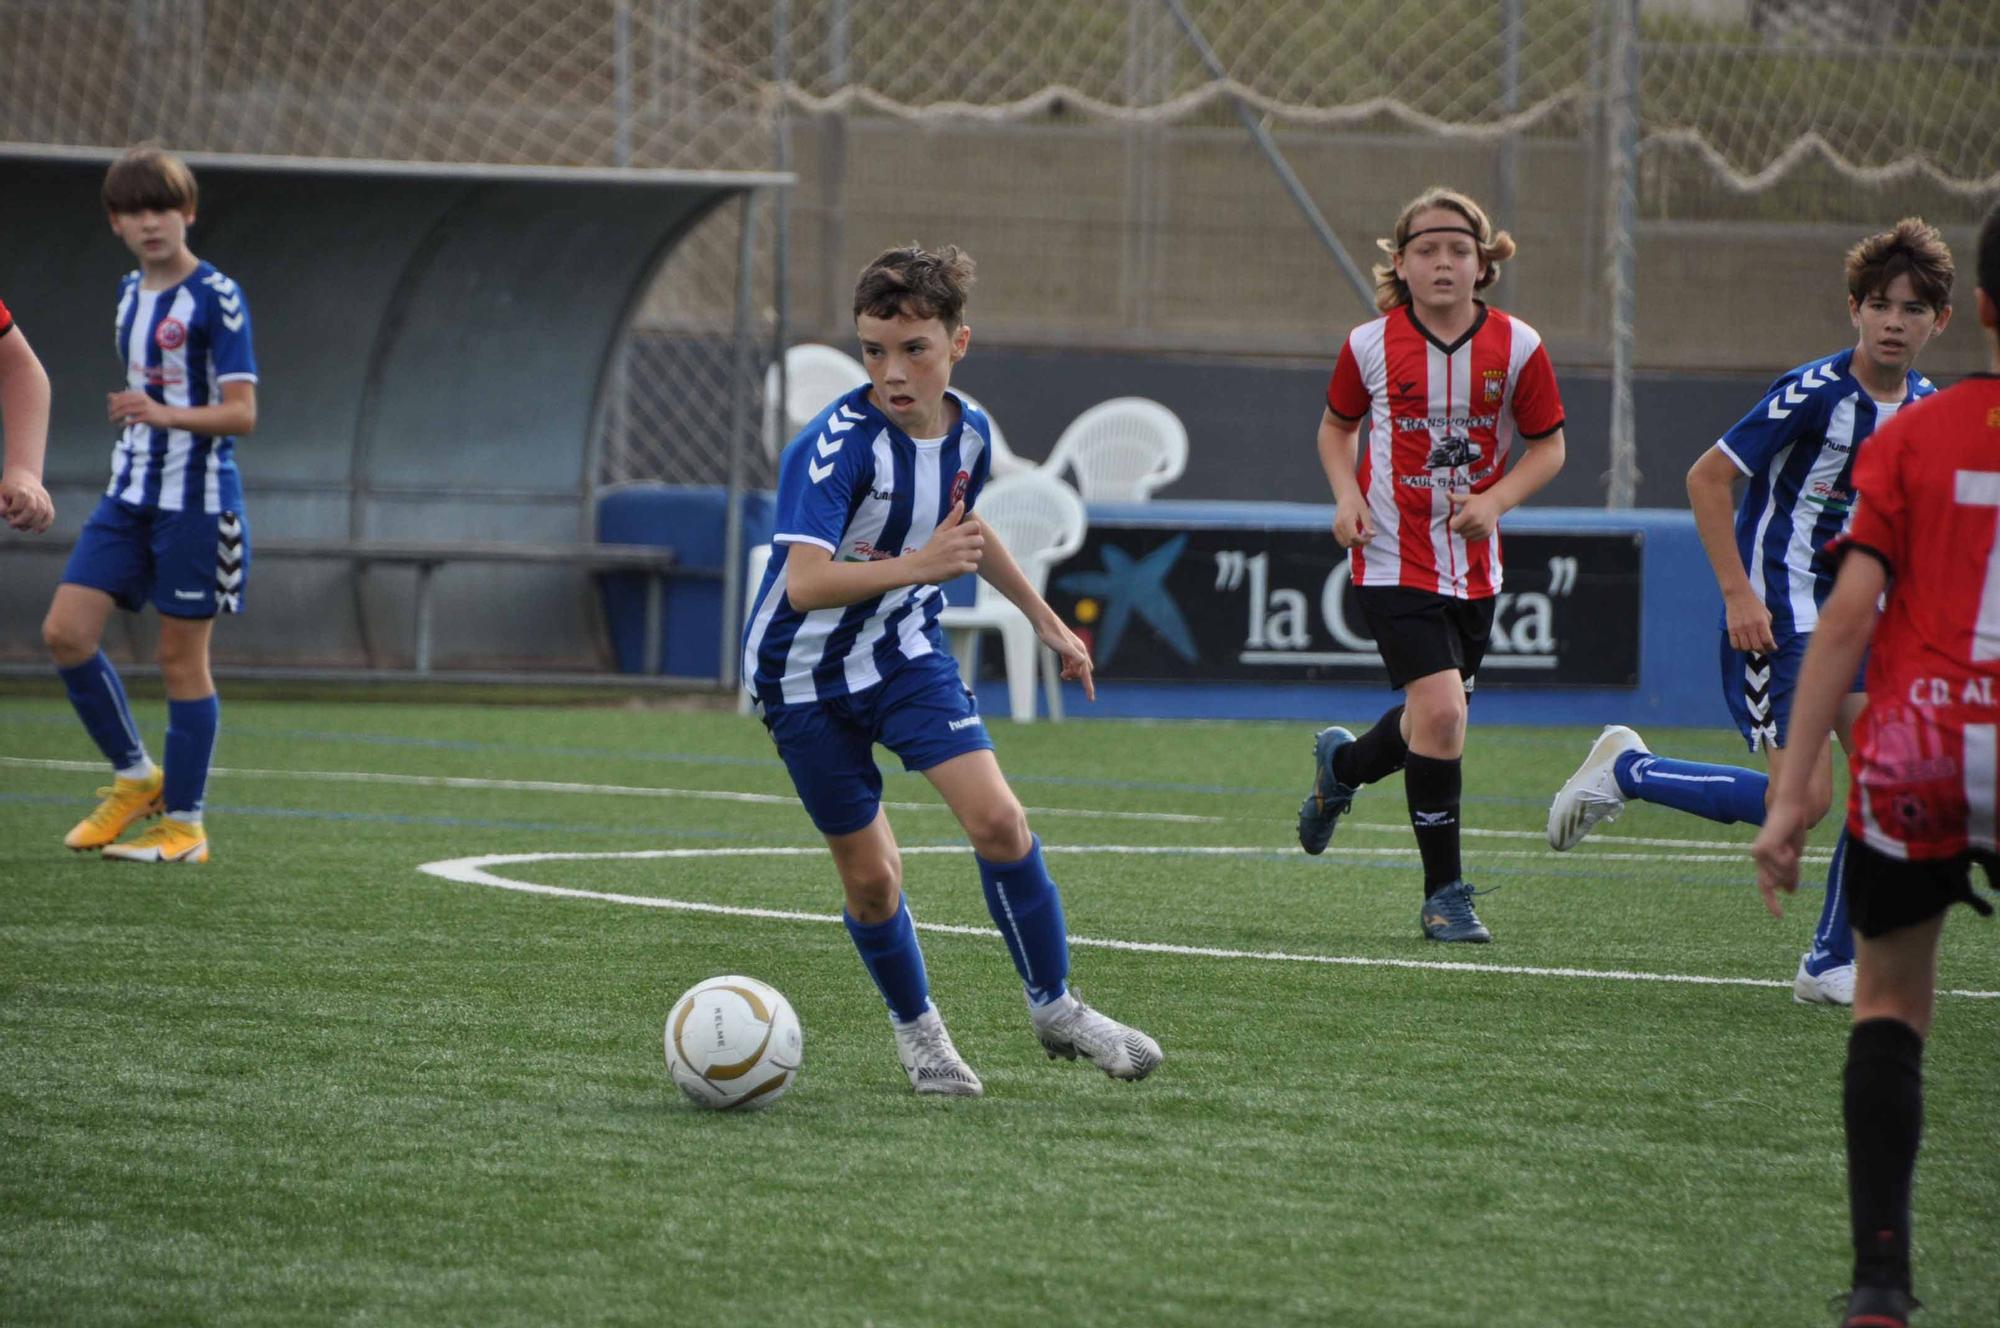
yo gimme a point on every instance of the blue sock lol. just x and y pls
(1028, 911)
(1722, 793)
(894, 961)
(191, 729)
(99, 699)
(1833, 941)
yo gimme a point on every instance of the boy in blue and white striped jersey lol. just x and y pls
(876, 507)
(170, 527)
(1797, 448)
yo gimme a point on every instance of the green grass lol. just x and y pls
(308, 1083)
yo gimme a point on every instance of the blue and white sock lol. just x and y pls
(1724, 793)
(1028, 910)
(889, 949)
(1833, 940)
(191, 727)
(99, 700)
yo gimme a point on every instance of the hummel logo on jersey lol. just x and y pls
(827, 446)
(817, 471)
(970, 721)
(1818, 376)
(189, 594)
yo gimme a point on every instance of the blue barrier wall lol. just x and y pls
(690, 521)
(1679, 618)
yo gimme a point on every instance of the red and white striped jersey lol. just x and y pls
(1926, 764)
(1441, 419)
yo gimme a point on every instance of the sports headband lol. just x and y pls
(1441, 230)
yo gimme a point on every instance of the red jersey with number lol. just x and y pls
(1926, 765)
(1442, 419)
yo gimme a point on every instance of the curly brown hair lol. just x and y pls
(1910, 248)
(915, 282)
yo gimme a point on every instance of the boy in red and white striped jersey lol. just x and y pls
(1449, 386)
(1924, 794)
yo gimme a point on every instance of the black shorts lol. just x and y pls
(1886, 894)
(1421, 632)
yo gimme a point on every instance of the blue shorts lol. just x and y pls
(921, 712)
(1758, 688)
(189, 564)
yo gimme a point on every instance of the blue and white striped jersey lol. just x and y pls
(1797, 446)
(180, 345)
(855, 484)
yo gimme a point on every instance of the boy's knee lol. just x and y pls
(1440, 726)
(999, 833)
(69, 645)
(873, 888)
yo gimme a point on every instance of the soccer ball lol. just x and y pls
(733, 1044)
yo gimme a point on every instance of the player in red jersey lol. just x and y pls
(1448, 385)
(24, 412)
(1924, 792)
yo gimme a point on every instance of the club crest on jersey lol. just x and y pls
(1496, 383)
(171, 334)
(958, 483)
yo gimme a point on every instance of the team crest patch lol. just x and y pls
(958, 483)
(1496, 383)
(171, 334)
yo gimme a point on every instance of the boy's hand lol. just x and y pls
(954, 548)
(1749, 622)
(1777, 850)
(1351, 523)
(1474, 515)
(26, 504)
(129, 407)
(1069, 648)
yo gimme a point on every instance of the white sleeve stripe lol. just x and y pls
(236, 378)
(813, 540)
(1722, 446)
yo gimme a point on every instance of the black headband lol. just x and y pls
(1440, 230)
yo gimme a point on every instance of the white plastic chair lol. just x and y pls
(758, 559)
(1004, 460)
(1121, 450)
(1041, 521)
(814, 376)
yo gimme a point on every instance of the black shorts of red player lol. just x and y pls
(1421, 632)
(1886, 894)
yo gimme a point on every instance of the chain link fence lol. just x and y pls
(1085, 150)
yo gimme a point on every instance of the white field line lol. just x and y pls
(1729, 854)
(472, 871)
(600, 790)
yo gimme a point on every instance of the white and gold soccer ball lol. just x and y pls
(733, 1044)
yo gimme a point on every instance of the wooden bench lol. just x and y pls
(426, 556)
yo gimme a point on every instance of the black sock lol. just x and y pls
(1374, 755)
(1884, 1105)
(1432, 786)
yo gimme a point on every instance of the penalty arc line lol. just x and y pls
(473, 871)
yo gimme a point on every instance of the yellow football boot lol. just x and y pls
(126, 801)
(169, 841)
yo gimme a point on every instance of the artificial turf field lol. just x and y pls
(310, 1082)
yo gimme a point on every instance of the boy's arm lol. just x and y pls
(1337, 434)
(1846, 621)
(235, 415)
(24, 412)
(1711, 487)
(813, 580)
(999, 570)
(1475, 515)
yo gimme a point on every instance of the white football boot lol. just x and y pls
(1069, 1028)
(1591, 797)
(1834, 986)
(933, 1064)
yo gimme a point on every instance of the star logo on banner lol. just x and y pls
(1128, 586)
